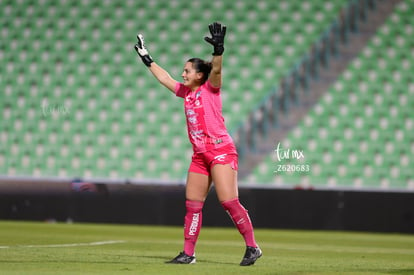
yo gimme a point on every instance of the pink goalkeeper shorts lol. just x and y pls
(203, 162)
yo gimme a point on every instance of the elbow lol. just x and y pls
(216, 72)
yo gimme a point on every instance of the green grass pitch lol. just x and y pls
(44, 248)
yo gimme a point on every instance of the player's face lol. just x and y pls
(191, 77)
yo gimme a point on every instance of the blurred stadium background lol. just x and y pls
(331, 80)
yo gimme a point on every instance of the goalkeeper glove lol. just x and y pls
(142, 51)
(217, 37)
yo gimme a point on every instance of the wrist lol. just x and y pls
(218, 50)
(147, 60)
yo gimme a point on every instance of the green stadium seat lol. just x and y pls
(358, 134)
(79, 55)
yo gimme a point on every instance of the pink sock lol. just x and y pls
(241, 220)
(192, 225)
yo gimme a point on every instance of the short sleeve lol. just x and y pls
(211, 87)
(180, 90)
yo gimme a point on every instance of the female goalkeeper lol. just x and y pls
(215, 157)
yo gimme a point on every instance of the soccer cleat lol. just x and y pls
(251, 255)
(183, 258)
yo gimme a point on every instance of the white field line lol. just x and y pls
(63, 245)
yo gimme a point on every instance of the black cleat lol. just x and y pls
(183, 258)
(251, 255)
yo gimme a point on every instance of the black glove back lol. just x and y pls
(217, 32)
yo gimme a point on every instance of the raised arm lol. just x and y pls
(217, 32)
(163, 76)
(160, 74)
(215, 74)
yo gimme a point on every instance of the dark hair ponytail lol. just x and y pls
(201, 66)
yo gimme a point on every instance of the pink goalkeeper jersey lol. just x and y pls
(205, 122)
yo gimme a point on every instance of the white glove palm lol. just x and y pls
(142, 51)
(140, 46)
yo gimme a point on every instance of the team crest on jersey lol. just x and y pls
(192, 120)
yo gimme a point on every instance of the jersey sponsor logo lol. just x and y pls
(192, 119)
(194, 100)
(190, 112)
(197, 134)
(189, 98)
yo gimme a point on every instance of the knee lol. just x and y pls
(233, 204)
(194, 206)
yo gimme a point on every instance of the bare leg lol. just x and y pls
(225, 182)
(197, 187)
